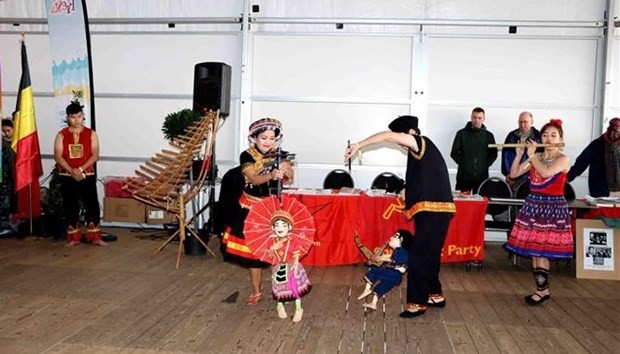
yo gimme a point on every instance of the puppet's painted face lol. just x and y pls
(281, 228)
(395, 241)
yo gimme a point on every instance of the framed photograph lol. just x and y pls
(596, 249)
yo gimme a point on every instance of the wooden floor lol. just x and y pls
(121, 299)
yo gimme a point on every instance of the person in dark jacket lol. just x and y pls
(602, 155)
(471, 152)
(524, 133)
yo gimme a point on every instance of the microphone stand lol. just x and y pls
(349, 160)
(278, 161)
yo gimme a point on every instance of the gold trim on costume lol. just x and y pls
(421, 149)
(235, 246)
(247, 201)
(67, 174)
(257, 156)
(434, 207)
(72, 230)
(76, 151)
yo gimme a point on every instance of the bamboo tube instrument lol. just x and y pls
(501, 146)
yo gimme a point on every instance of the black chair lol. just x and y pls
(494, 187)
(337, 179)
(389, 182)
(523, 189)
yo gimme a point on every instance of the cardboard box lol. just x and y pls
(123, 210)
(156, 216)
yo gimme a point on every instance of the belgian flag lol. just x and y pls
(25, 142)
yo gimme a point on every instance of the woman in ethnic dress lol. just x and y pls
(542, 229)
(262, 178)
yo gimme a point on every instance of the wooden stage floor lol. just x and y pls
(122, 299)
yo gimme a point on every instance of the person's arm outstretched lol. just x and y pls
(581, 163)
(402, 139)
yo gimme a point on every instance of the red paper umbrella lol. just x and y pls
(260, 237)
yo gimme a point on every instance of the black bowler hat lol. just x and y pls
(402, 124)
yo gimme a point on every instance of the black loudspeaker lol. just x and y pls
(212, 88)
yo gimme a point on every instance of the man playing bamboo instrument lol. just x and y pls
(524, 133)
(602, 155)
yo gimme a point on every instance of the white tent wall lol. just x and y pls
(331, 71)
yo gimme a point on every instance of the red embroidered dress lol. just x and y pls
(543, 225)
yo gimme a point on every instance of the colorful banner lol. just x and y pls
(70, 52)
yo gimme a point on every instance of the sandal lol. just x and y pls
(531, 300)
(413, 310)
(436, 300)
(253, 299)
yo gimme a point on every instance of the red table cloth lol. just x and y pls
(375, 219)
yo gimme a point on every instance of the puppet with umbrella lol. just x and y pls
(280, 233)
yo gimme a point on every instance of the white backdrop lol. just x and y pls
(329, 85)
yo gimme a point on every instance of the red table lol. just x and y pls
(338, 216)
(606, 212)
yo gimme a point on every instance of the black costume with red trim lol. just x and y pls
(428, 200)
(234, 247)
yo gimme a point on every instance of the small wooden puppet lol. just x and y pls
(381, 279)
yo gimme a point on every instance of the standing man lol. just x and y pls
(471, 152)
(428, 201)
(525, 132)
(602, 155)
(76, 149)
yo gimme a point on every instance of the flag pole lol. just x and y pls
(30, 206)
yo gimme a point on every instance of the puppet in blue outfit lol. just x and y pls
(381, 279)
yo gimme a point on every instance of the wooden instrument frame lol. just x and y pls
(162, 182)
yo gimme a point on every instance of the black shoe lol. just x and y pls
(531, 299)
(413, 311)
